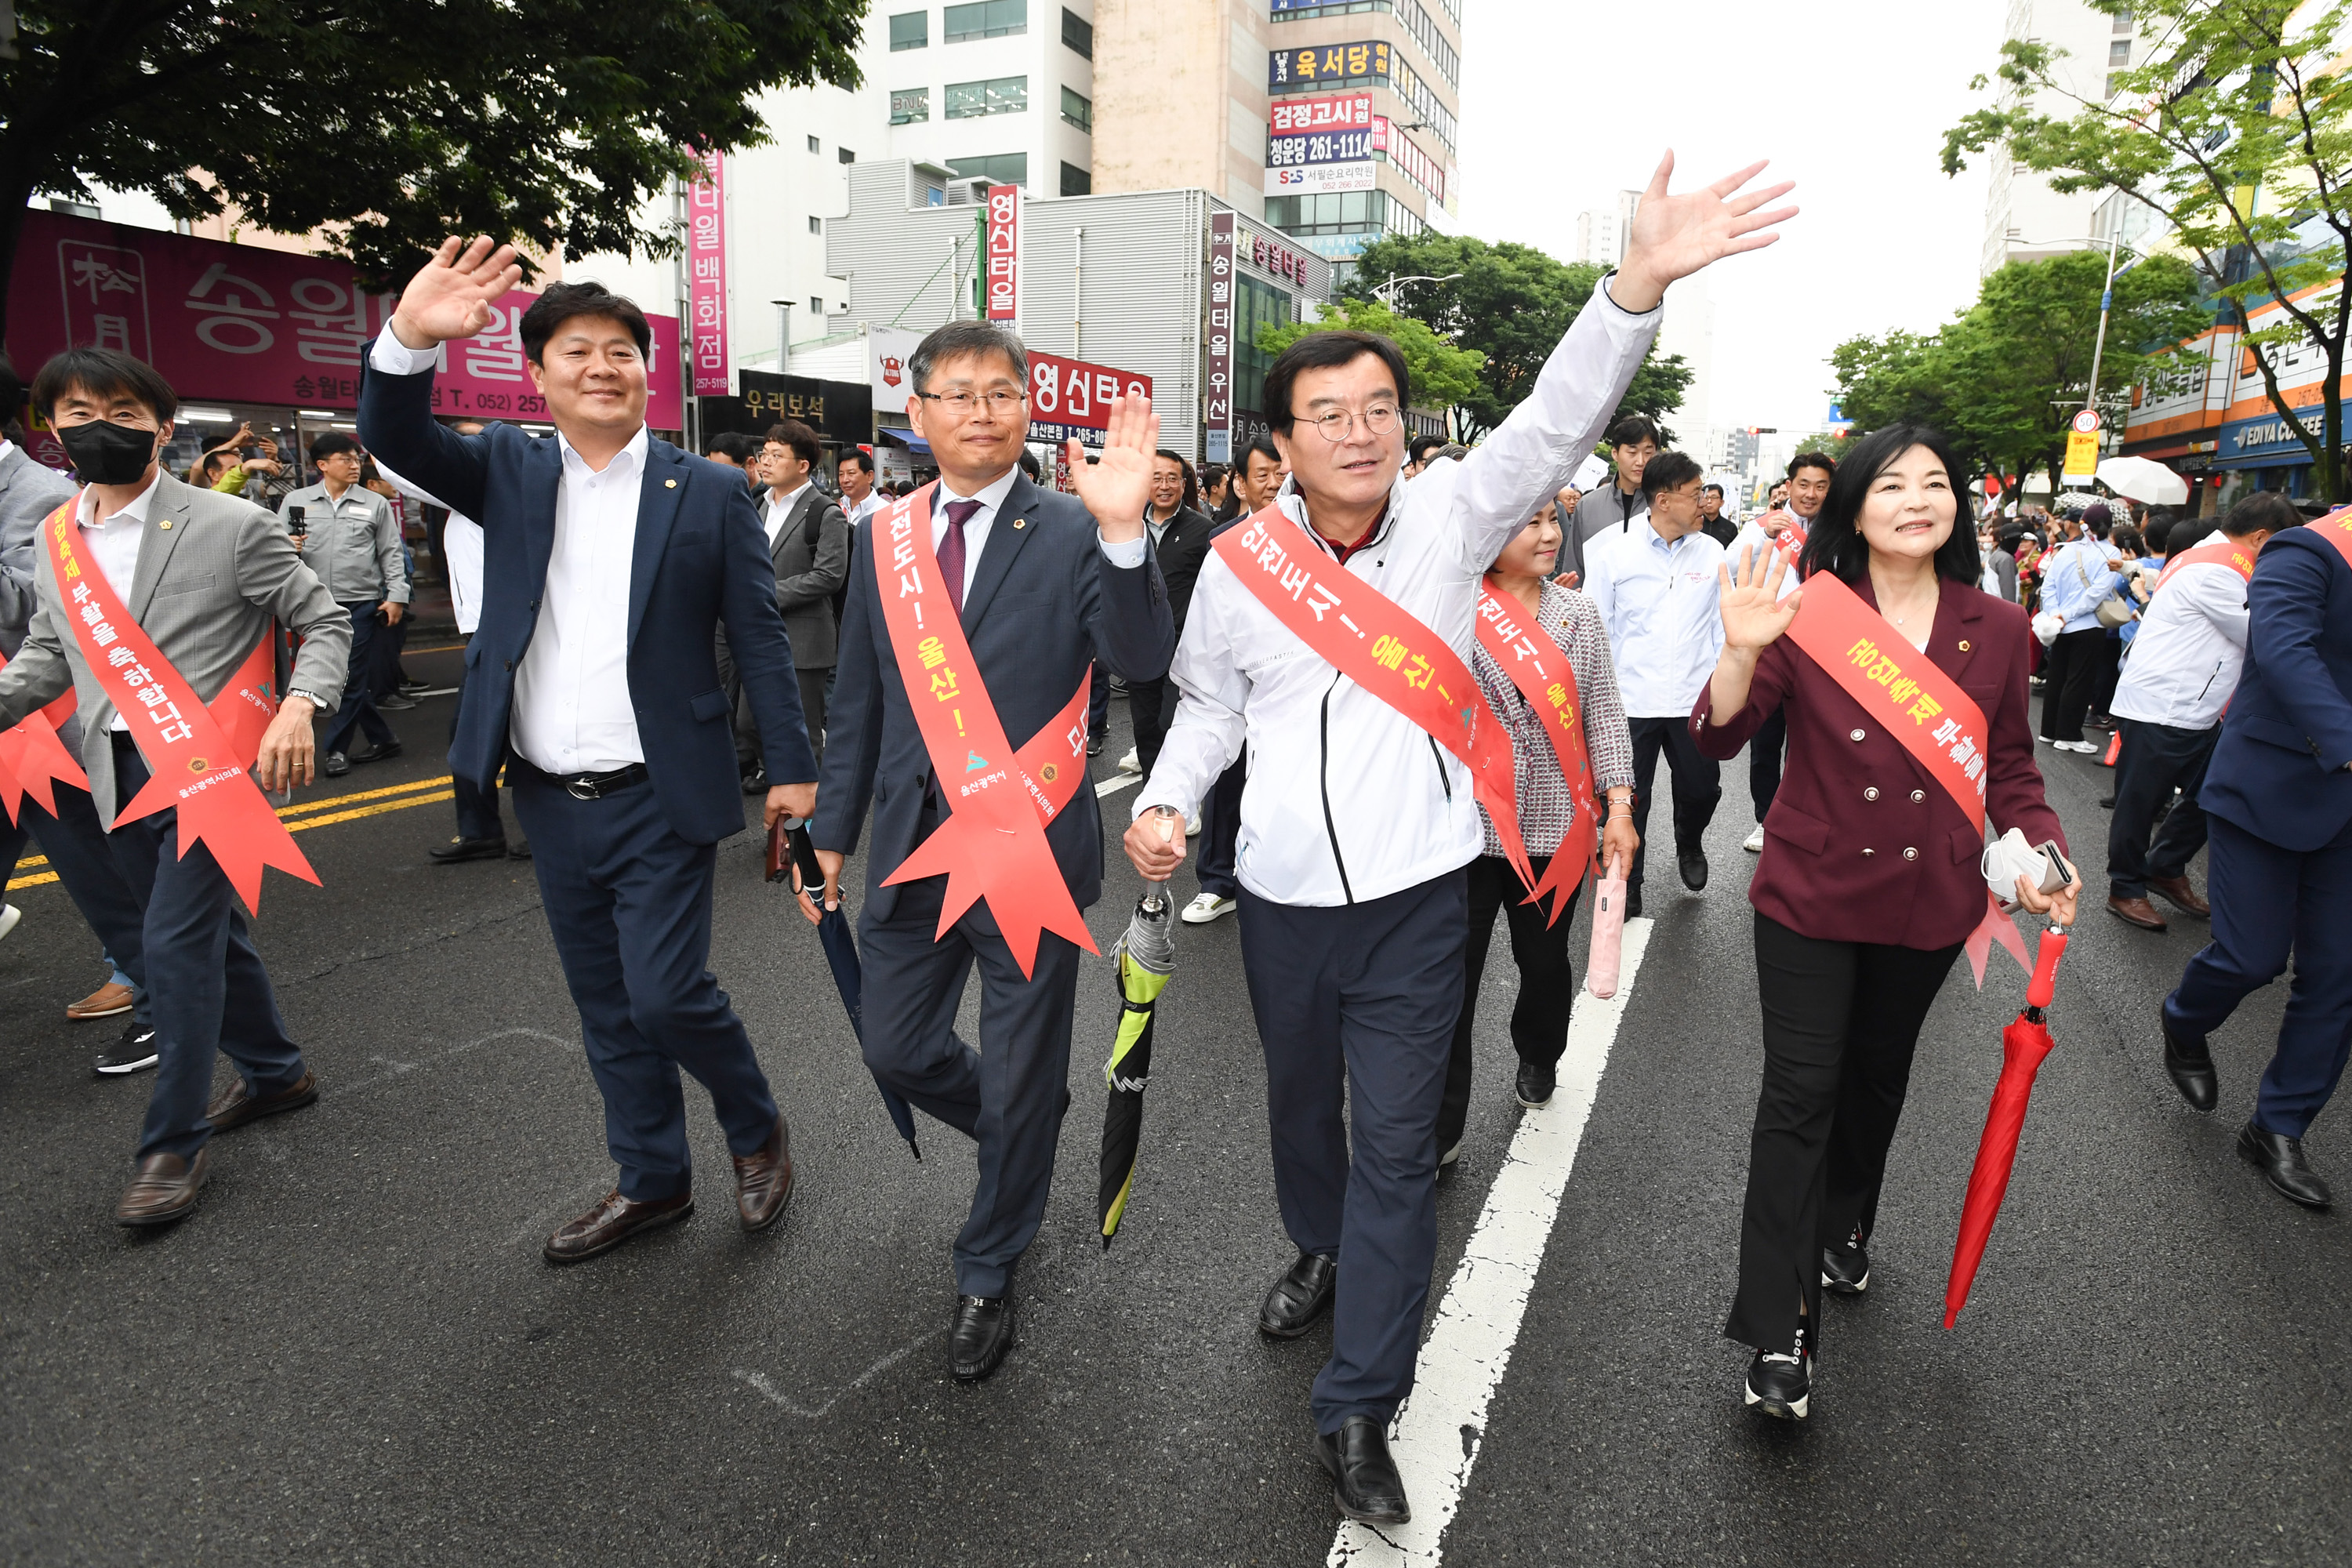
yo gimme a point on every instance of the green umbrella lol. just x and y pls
(1146, 956)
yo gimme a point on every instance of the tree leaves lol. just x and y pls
(1443, 375)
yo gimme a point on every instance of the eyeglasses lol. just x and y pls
(1336, 423)
(963, 404)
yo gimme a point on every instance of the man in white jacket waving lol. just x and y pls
(1357, 823)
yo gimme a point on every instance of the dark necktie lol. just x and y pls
(952, 550)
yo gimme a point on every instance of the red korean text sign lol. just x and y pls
(1069, 397)
(705, 273)
(1002, 253)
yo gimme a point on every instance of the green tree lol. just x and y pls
(390, 123)
(1444, 376)
(2235, 126)
(1513, 303)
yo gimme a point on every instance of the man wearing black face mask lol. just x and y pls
(153, 596)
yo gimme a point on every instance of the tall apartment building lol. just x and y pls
(1191, 93)
(2025, 219)
(1601, 235)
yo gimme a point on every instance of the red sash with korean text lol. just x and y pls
(33, 759)
(993, 845)
(1540, 670)
(2336, 529)
(1920, 705)
(199, 756)
(2225, 551)
(1380, 645)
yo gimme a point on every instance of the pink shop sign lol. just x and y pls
(236, 323)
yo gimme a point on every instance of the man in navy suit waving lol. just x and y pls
(986, 598)
(2279, 869)
(610, 559)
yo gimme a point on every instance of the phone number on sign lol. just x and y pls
(455, 399)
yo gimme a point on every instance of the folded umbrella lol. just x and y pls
(2023, 1045)
(1146, 957)
(788, 849)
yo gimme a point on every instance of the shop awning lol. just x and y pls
(907, 438)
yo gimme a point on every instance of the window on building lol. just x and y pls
(816, 224)
(1340, 212)
(986, 20)
(813, 145)
(816, 305)
(1002, 168)
(1255, 305)
(1076, 181)
(1077, 33)
(2124, 20)
(2119, 52)
(2114, 83)
(910, 105)
(998, 95)
(847, 156)
(911, 29)
(1079, 111)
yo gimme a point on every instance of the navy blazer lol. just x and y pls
(701, 560)
(1043, 599)
(2278, 769)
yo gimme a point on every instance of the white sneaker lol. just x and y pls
(1754, 842)
(1131, 763)
(1207, 907)
(1193, 826)
(9, 915)
(1449, 1157)
(2088, 748)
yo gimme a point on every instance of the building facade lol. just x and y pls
(2025, 219)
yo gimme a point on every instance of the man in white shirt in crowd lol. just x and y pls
(2185, 662)
(1654, 583)
(2078, 575)
(1796, 501)
(1357, 827)
(856, 477)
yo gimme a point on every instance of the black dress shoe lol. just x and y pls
(1781, 1384)
(1364, 1479)
(2280, 1159)
(756, 781)
(1632, 903)
(336, 765)
(395, 702)
(1845, 1268)
(1302, 1295)
(460, 849)
(2189, 1064)
(1535, 1082)
(522, 851)
(382, 754)
(1691, 863)
(1093, 745)
(981, 1334)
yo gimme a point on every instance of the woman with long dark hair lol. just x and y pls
(1869, 883)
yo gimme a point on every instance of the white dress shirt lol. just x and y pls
(461, 552)
(861, 510)
(1752, 538)
(114, 544)
(777, 510)
(2189, 650)
(1662, 604)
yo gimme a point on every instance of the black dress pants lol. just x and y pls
(2157, 759)
(2068, 676)
(1547, 979)
(1697, 788)
(1150, 704)
(1841, 1021)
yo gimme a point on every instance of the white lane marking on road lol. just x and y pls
(1117, 783)
(1441, 1426)
(767, 1389)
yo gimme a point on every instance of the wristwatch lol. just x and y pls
(313, 698)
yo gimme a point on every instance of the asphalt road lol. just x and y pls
(353, 1353)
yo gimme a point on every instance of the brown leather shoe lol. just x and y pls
(2176, 891)
(613, 1221)
(162, 1189)
(2136, 912)
(763, 1182)
(108, 1000)
(237, 1104)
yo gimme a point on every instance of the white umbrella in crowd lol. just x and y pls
(2144, 480)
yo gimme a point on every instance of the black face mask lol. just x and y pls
(105, 453)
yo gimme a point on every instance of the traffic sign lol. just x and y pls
(2082, 455)
(2086, 422)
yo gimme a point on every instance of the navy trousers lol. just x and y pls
(358, 712)
(82, 856)
(1220, 831)
(1009, 1097)
(1355, 1005)
(629, 902)
(210, 992)
(1698, 787)
(2156, 759)
(2266, 902)
(478, 808)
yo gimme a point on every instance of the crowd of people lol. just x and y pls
(655, 638)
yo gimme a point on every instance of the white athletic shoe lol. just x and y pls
(1449, 1157)
(1193, 826)
(1754, 842)
(9, 915)
(1207, 907)
(1131, 763)
(2088, 748)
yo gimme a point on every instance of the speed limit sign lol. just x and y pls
(2086, 422)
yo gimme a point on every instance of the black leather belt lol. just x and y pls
(592, 786)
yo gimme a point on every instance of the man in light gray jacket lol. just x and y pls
(1633, 441)
(350, 538)
(204, 576)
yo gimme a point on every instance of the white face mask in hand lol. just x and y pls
(2010, 856)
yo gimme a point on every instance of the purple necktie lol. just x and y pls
(952, 550)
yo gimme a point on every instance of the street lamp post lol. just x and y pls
(783, 333)
(1386, 292)
(2106, 304)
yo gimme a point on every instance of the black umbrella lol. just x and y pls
(1146, 957)
(788, 849)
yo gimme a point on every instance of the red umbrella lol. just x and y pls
(2023, 1045)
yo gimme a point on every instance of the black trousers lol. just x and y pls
(1840, 1022)
(1765, 749)
(478, 808)
(2157, 759)
(1698, 787)
(2068, 676)
(2106, 673)
(1150, 704)
(1220, 831)
(1547, 979)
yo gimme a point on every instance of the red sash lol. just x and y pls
(198, 755)
(1920, 705)
(2336, 529)
(1377, 644)
(2228, 552)
(993, 845)
(33, 758)
(1540, 670)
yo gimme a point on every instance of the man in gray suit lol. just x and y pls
(204, 575)
(808, 544)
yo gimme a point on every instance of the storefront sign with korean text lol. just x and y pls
(1069, 397)
(1297, 116)
(1003, 253)
(237, 323)
(1274, 260)
(838, 411)
(1406, 155)
(1336, 64)
(706, 271)
(1217, 408)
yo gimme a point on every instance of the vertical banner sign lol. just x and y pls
(1003, 253)
(706, 260)
(1217, 442)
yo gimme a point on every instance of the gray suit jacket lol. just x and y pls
(214, 571)
(811, 555)
(30, 491)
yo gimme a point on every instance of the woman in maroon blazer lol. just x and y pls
(1869, 883)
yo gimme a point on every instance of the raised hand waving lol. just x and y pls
(1675, 235)
(450, 297)
(1118, 488)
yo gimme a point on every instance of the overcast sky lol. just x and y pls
(1564, 105)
